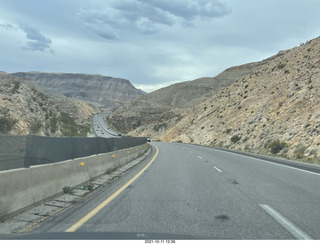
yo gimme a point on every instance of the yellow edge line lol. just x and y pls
(78, 224)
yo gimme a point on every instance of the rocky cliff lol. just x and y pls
(272, 106)
(108, 91)
(26, 108)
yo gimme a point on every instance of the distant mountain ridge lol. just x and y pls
(105, 90)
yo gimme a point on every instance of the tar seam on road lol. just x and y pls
(295, 231)
(82, 221)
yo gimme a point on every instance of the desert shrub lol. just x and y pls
(266, 145)
(245, 139)
(16, 86)
(53, 124)
(35, 126)
(299, 152)
(158, 127)
(276, 146)
(6, 124)
(235, 138)
(281, 66)
(246, 147)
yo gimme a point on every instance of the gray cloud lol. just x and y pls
(138, 11)
(189, 9)
(147, 17)
(146, 41)
(8, 26)
(106, 33)
(38, 42)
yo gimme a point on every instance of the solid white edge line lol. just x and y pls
(217, 169)
(295, 231)
(286, 166)
(279, 164)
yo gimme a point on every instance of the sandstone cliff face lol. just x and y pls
(24, 109)
(108, 91)
(272, 107)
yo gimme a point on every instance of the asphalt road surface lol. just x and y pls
(100, 128)
(201, 192)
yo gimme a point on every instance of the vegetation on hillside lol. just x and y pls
(26, 110)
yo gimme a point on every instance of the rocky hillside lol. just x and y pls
(107, 91)
(167, 104)
(27, 109)
(271, 106)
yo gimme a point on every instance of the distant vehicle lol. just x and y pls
(148, 139)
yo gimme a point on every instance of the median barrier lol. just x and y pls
(12, 151)
(25, 187)
(24, 151)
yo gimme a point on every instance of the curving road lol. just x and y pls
(201, 192)
(100, 128)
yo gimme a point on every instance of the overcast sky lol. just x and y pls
(152, 43)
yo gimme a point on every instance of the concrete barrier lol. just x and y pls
(22, 188)
(24, 151)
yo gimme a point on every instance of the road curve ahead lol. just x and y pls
(100, 128)
(206, 193)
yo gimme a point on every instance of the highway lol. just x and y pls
(100, 128)
(200, 192)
